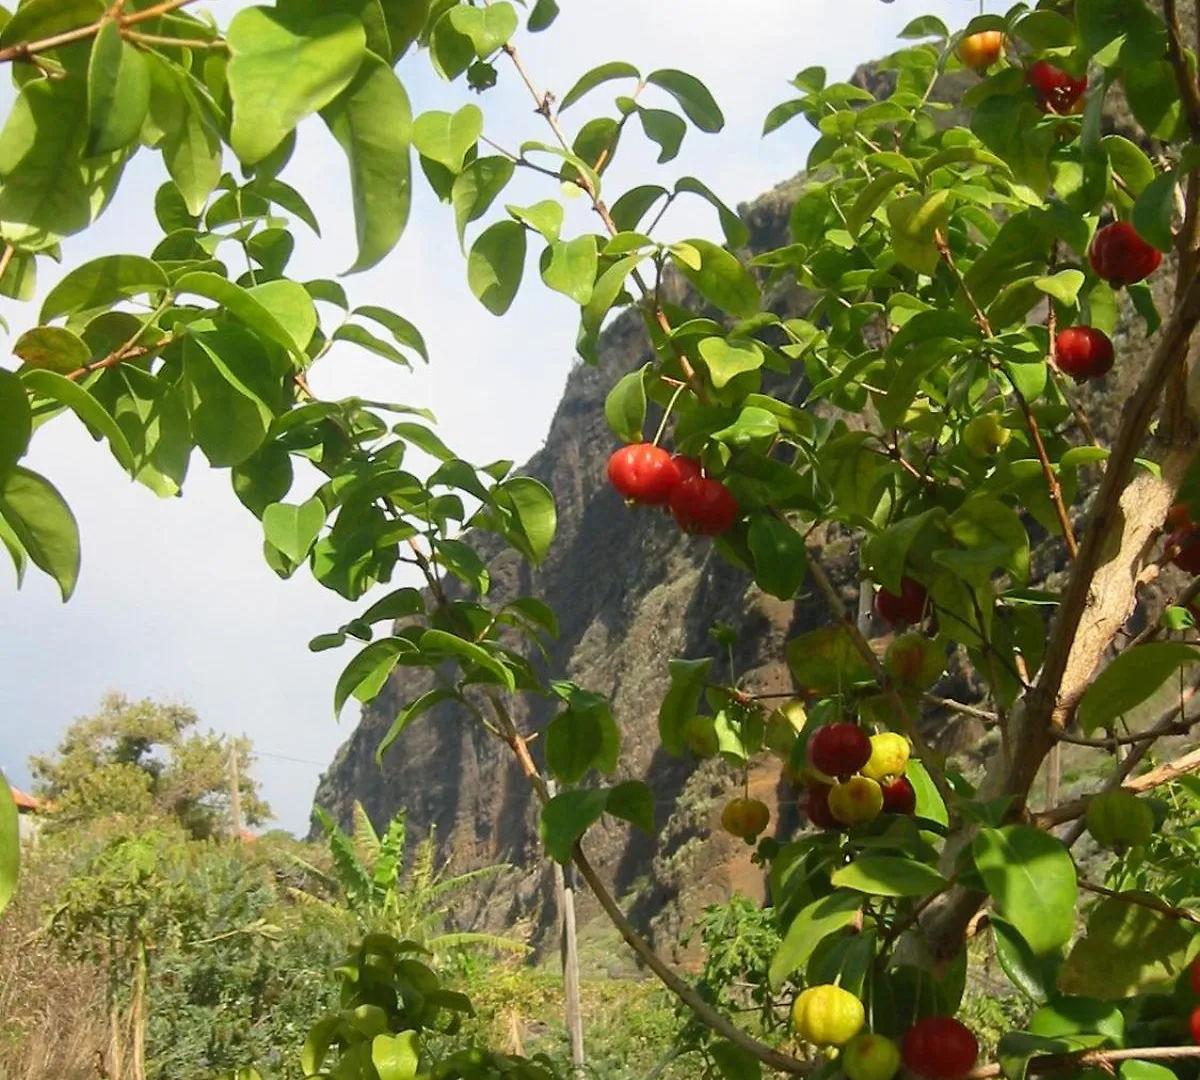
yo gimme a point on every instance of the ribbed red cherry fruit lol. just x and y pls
(908, 607)
(687, 467)
(1120, 256)
(1194, 1024)
(816, 807)
(644, 473)
(839, 749)
(703, 505)
(1185, 545)
(940, 1048)
(1083, 352)
(1057, 91)
(899, 797)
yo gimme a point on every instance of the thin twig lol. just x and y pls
(1083, 1059)
(957, 706)
(1142, 901)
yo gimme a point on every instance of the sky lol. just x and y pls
(175, 601)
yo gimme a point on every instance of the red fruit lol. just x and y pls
(908, 607)
(1185, 543)
(1120, 256)
(1194, 975)
(1057, 91)
(1177, 518)
(687, 467)
(703, 505)
(643, 473)
(1083, 352)
(980, 51)
(1194, 1024)
(816, 806)
(839, 749)
(899, 797)
(940, 1048)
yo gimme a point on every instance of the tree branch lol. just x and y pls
(1082, 1059)
(1142, 901)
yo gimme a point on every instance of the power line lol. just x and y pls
(285, 757)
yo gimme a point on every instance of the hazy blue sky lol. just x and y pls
(175, 601)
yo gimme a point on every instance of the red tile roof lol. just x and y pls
(23, 801)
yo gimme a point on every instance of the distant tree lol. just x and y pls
(145, 759)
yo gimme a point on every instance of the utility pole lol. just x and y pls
(235, 792)
(564, 892)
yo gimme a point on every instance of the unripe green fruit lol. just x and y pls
(827, 1015)
(870, 1057)
(856, 801)
(700, 735)
(914, 660)
(1119, 819)
(985, 435)
(889, 756)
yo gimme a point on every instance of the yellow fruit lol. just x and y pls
(745, 818)
(827, 1015)
(856, 801)
(870, 1057)
(980, 51)
(889, 756)
(985, 436)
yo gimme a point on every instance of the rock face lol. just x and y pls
(631, 592)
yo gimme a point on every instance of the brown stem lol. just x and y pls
(1082, 1059)
(1142, 901)
(1176, 54)
(722, 1025)
(1035, 434)
(957, 706)
(26, 50)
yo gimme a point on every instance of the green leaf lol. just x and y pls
(693, 96)
(365, 675)
(444, 137)
(569, 267)
(990, 536)
(1063, 286)
(566, 817)
(664, 128)
(118, 91)
(779, 554)
(627, 212)
(1105, 25)
(357, 335)
(733, 1062)
(10, 843)
(36, 19)
(597, 76)
(489, 28)
(737, 235)
(43, 523)
(372, 122)
(245, 306)
(1133, 677)
(533, 517)
(411, 712)
(925, 26)
(264, 478)
(888, 875)
(1153, 95)
(871, 199)
(681, 701)
(294, 529)
(809, 928)
(625, 406)
(49, 384)
(1145, 1070)
(727, 360)
(101, 283)
(1129, 162)
(543, 14)
(1030, 974)
(292, 309)
(913, 219)
(283, 68)
(1078, 1016)
(825, 661)
(401, 329)
(606, 291)
(1154, 210)
(476, 187)
(574, 740)
(53, 349)
(722, 280)
(229, 421)
(396, 1057)
(1031, 878)
(545, 217)
(496, 264)
(1129, 949)
(468, 653)
(633, 801)
(16, 422)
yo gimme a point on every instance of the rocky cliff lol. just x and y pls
(630, 592)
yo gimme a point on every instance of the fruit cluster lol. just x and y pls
(938, 1047)
(855, 778)
(646, 474)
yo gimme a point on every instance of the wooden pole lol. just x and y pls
(235, 792)
(564, 892)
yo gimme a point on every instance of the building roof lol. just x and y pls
(23, 801)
